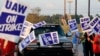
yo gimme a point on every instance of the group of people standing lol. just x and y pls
(90, 43)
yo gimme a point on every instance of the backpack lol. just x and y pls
(96, 44)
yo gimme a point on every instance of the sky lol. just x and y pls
(50, 7)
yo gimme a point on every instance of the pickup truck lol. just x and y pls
(64, 48)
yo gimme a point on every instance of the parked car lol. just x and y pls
(64, 48)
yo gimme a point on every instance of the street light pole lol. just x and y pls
(89, 8)
(69, 1)
(76, 9)
(65, 9)
(69, 8)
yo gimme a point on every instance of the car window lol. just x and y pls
(42, 30)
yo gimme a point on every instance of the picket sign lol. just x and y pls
(26, 29)
(97, 27)
(73, 25)
(50, 38)
(39, 24)
(90, 32)
(84, 22)
(11, 20)
(14, 6)
(93, 22)
(31, 37)
(25, 42)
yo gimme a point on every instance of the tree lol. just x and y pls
(98, 15)
(91, 17)
(78, 18)
(33, 17)
(48, 19)
(56, 18)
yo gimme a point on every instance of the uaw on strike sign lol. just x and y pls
(84, 22)
(24, 43)
(73, 25)
(26, 29)
(95, 24)
(97, 27)
(11, 20)
(50, 38)
(31, 37)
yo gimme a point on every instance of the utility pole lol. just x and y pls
(76, 9)
(76, 52)
(69, 1)
(65, 9)
(69, 8)
(89, 8)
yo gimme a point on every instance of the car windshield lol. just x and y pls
(47, 29)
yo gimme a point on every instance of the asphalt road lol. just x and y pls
(80, 50)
